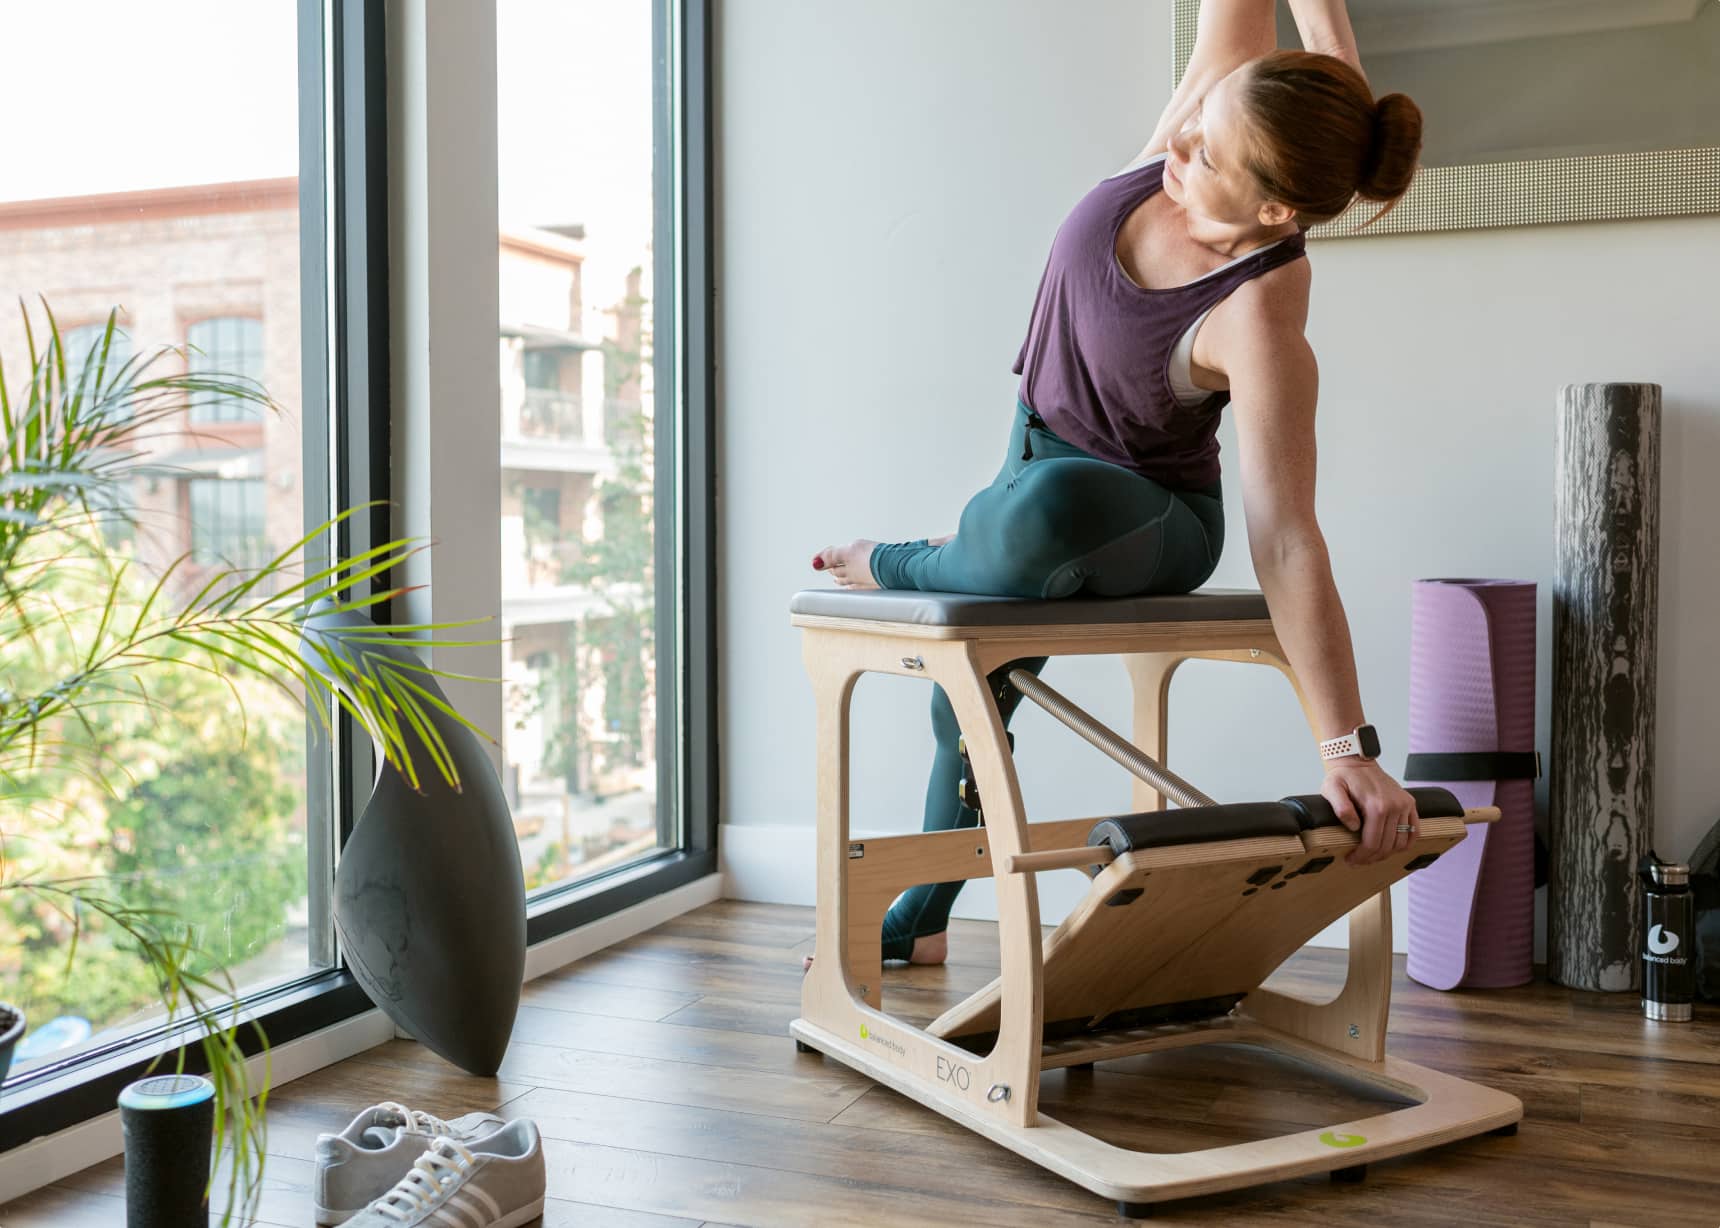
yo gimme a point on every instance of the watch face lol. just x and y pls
(1370, 741)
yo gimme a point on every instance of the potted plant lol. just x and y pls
(84, 633)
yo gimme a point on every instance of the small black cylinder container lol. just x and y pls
(168, 1122)
(1668, 940)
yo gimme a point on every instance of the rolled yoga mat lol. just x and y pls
(1606, 576)
(1472, 730)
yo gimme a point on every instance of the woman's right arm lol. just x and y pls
(1229, 33)
(1325, 27)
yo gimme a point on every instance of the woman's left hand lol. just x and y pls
(1368, 800)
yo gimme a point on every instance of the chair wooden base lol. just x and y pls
(1447, 1109)
(1195, 934)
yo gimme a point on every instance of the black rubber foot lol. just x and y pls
(1507, 1131)
(1082, 1066)
(1351, 1175)
(800, 1046)
(1135, 1210)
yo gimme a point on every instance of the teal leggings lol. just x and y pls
(1055, 522)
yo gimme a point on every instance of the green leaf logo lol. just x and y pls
(862, 1031)
(1333, 1139)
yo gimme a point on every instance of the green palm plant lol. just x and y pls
(81, 631)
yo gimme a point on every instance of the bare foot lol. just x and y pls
(850, 565)
(930, 949)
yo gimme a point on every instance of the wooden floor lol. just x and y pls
(669, 1093)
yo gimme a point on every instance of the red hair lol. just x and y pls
(1317, 137)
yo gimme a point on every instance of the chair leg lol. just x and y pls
(1150, 680)
(1135, 1210)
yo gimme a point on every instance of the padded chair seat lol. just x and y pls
(976, 610)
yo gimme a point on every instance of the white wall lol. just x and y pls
(891, 177)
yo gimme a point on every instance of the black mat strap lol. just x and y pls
(1474, 765)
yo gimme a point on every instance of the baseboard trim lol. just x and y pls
(564, 949)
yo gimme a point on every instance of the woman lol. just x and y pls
(1174, 287)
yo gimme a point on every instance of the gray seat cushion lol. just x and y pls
(975, 610)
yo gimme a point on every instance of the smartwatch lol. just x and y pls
(1363, 742)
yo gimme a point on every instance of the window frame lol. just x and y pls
(683, 510)
(344, 245)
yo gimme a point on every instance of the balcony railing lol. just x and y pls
(545, 414)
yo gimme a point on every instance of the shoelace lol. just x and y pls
(417, 1121)
(430, 1173)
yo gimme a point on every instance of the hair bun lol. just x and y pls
(1391, 163)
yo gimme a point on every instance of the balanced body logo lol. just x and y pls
(1660, 942)
(893, 1046)
(1333, 1139)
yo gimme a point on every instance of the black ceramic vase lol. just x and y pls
(429, 897)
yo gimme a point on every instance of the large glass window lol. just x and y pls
(196, 243)
(227, 522)
(578, 246)
(232, 346)
(86, 340)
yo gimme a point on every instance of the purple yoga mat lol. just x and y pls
(1472, 688)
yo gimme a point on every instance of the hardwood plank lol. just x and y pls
(589, 997)
(812, 1095)
(765, 1197)
(326, 1100)
(566, 1213)
(726, 1014)
(967, 1165)
(636, 1038)
(286, 1197)
(58, 1206)
(1623, 1106)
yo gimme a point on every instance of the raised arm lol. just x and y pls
(1274, 384)
(1229, 33)
(1324, 26)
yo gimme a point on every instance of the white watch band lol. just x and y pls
(1338, 748)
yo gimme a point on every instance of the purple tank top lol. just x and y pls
(1096, 362)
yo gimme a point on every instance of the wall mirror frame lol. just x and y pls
(1594, 187)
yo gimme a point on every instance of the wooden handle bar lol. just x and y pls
(1060, 859)
(1101, 854)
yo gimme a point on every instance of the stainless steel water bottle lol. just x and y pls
(1668, 939)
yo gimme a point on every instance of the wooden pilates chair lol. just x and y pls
(1189, 911)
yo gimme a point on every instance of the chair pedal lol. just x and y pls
(967, 789)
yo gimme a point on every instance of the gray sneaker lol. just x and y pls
(495, 1182)
(364, 1160)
